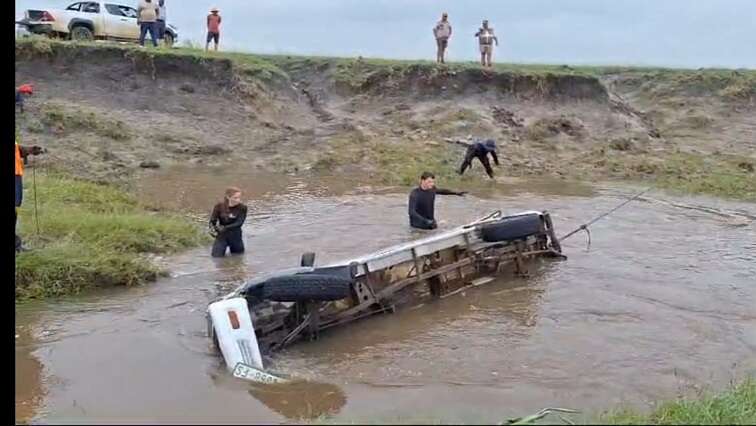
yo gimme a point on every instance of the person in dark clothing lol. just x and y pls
(422, 202)
(226, 222)
(480, 150)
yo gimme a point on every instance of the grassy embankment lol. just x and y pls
(90, 235)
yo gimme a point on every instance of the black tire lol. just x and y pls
(216, 343)
(308, 259)
(81, 33)
(301, 287)
(168, 39)
(513, 228)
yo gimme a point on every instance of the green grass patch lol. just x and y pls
(393, 163)
(716, 174)
(60, 118)
(252, 65)
(736, 405)
(91, 235)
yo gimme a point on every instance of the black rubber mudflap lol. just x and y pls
(512, 228)
(301, 287)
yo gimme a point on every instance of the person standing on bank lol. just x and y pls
(226, 222)
(147, 15)
(486, 38)
(213, 28)
(422, 202)
(442, 31)
(22, 152)
(161, 21)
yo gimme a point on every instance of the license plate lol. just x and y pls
(246, 372)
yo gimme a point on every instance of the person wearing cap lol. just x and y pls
(480, 150)
(486, 38)
(442, 31)
(213, 28)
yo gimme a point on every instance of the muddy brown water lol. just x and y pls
(664, 302)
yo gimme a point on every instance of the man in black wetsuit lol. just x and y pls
(480, 150)
(422, 202)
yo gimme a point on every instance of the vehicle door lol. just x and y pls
(91, 10)
(132, 28)
(116, 22)
(72, 11)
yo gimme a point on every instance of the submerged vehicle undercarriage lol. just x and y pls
(300, 303)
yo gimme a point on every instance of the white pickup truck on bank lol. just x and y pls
(89, 20)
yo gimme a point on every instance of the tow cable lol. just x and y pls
(584, 227)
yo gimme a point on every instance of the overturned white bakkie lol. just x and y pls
(275, 310)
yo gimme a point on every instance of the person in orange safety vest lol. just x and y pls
(21, 158)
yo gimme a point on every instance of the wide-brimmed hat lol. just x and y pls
(213, 9)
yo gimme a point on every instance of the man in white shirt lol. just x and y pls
(442, 31)
(161, 20)
(486, 38)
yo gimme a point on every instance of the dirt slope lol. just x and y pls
(104, 110)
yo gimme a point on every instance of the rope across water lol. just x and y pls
(584, 227)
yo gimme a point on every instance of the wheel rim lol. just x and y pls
(81, 34)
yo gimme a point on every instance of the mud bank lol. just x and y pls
(112, 112)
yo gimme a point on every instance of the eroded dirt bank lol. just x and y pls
(110, 112)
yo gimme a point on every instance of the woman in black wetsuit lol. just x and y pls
(226, 222)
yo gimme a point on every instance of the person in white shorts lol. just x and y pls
(442, 31)
(486, 39)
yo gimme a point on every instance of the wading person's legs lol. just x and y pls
(236, 243)
(219, 246)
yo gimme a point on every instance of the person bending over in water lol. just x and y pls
(226, 222)
(422, 202)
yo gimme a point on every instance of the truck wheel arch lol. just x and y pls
(78, 22)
